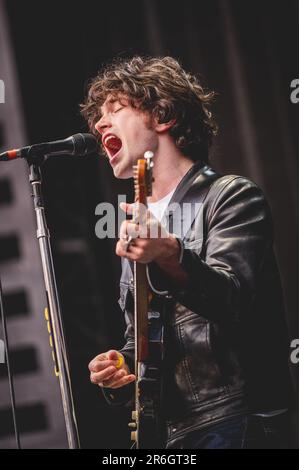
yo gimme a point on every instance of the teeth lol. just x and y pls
(110, 137)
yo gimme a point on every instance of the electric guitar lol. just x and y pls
(148, 329)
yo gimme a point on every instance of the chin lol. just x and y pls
(122, 174)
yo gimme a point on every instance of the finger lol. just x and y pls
(127, 208)
(116, 357)
(113, 354)
(135, 257)
(133, 253)
(121, 382)
(114, 378)
(136, 252)
(129, 229)
(97, 366)
(95, 360)
(140, 243)
(123, 248)
(127, 243)
(96, 377)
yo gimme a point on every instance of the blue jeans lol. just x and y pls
(241, 432)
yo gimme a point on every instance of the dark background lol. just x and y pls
(247, 51)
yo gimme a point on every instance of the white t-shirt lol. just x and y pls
(158, 208)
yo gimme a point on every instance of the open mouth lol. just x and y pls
(112, 144)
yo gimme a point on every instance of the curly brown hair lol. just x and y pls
(160, 86)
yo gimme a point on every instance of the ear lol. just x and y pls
(164, 126)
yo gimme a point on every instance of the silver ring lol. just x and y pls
(128, 242)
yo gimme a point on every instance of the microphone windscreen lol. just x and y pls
(84, 144)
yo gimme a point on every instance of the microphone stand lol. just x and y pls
(55, 318)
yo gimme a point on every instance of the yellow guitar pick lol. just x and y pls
(120, 361)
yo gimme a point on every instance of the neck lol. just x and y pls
(169, 168)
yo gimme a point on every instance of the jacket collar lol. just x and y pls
(185, 182)
(188, 190)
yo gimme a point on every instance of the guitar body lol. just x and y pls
(149, 387)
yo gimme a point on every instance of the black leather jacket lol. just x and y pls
(226, 338)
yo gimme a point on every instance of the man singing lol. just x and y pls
(226, 379)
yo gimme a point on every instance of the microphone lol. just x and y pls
(78, 145)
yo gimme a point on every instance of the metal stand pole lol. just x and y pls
(61, 359)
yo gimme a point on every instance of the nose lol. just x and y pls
(102, 125)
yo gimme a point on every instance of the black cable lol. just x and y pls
(10, 379)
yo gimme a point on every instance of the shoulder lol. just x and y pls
(223, 185)
(226, 186)
(230, 183)
(235, 194)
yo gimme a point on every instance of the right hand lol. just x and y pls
(104, 373)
